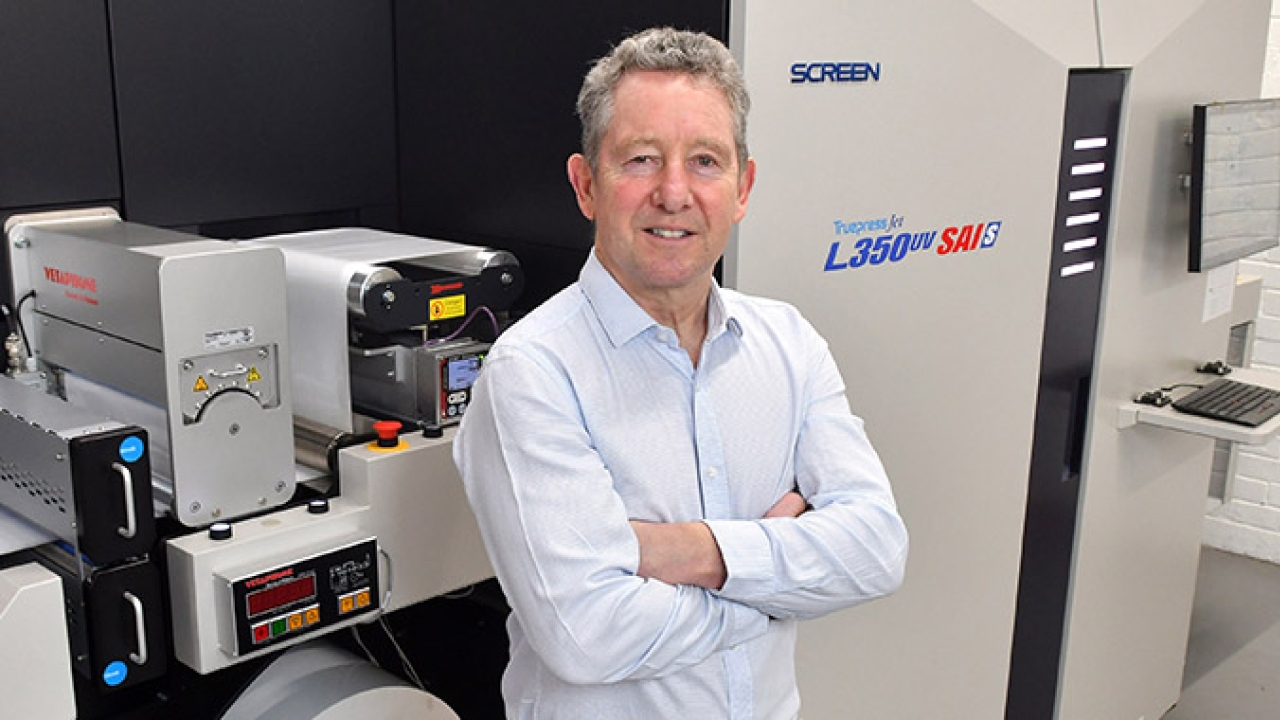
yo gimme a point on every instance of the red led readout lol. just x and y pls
(278, 596)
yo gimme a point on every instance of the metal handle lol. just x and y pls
(239, 369)
(140, 627)
(130, 517)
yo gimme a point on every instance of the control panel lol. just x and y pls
(454, 369)
(289, 600)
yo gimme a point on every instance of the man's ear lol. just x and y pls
(583, 185)
(745, 183)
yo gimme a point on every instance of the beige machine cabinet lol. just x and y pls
(931, 119)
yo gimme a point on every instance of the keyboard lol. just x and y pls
(1233, 402)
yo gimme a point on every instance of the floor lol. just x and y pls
(1233, 656)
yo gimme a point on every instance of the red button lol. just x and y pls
(261, 633)
(388, 433)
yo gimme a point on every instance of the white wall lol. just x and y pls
(1246, 519)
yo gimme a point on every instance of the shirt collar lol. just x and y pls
(623, 319)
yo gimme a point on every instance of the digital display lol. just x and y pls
(460, 373)
(282, 594)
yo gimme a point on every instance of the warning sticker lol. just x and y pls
(253, 376)
(446, 308)
(201, 385)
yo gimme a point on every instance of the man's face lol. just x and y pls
(668, 188)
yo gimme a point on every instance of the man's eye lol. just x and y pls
(641, 160)
(708, 164)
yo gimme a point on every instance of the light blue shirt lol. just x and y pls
(588, 414)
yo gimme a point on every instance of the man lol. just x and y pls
(667, 474)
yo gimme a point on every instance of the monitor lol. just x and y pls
(1235, 181)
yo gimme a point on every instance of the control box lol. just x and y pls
(287, 601)
(446, 376)
(257, 585)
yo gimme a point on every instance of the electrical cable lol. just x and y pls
(17, 317)
(404, 659)
(492, 318)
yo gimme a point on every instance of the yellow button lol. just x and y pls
(295, 621)
(346, 604)
(313, 616)
(362, 599)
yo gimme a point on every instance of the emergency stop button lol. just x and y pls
(388, 436)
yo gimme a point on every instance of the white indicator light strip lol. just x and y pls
(1092, 143)
(1085, 219)
(1092, 193)
(1088, 168)
(1081, 244)
(1078, 268)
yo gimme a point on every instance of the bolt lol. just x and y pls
(388, 297)
(262, 353)
(195, 507)
(187, 365)
(506, 278)
(280, 486)
(234, 429)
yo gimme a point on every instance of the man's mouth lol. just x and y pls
(668, 233)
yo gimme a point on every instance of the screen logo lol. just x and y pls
(834, 72)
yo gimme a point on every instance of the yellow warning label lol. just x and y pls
(201, 385)
(448, 307)
(253, 375)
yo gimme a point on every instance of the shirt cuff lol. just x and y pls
(747, 554)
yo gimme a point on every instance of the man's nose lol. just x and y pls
(672, 193)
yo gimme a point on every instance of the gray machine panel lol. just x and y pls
(196, 327)
(81, 476)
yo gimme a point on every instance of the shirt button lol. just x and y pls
(711, 473)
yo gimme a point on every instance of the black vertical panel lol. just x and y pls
(253, 108)
(485, 94)
(57, 126)
(1062, 410)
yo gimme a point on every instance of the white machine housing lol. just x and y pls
(882, 118)
(182, 335)
(408, 497)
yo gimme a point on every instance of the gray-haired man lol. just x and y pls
(667, 473)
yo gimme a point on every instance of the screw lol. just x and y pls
(187, 365)
(388, 297)
(234, 429)
(195, 507)
(506, 278)
(262, 353)
(279, 486)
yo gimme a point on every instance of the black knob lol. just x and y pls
(318, 507)
(220, 531)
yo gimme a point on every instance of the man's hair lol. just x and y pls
(665, 50)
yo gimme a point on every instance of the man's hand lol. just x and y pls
(791, 505)
(683, 553)
(686, 553)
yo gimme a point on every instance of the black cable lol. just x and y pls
(17, 318)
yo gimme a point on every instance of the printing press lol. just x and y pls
(157, 385)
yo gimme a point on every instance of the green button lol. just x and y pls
(278, 627)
